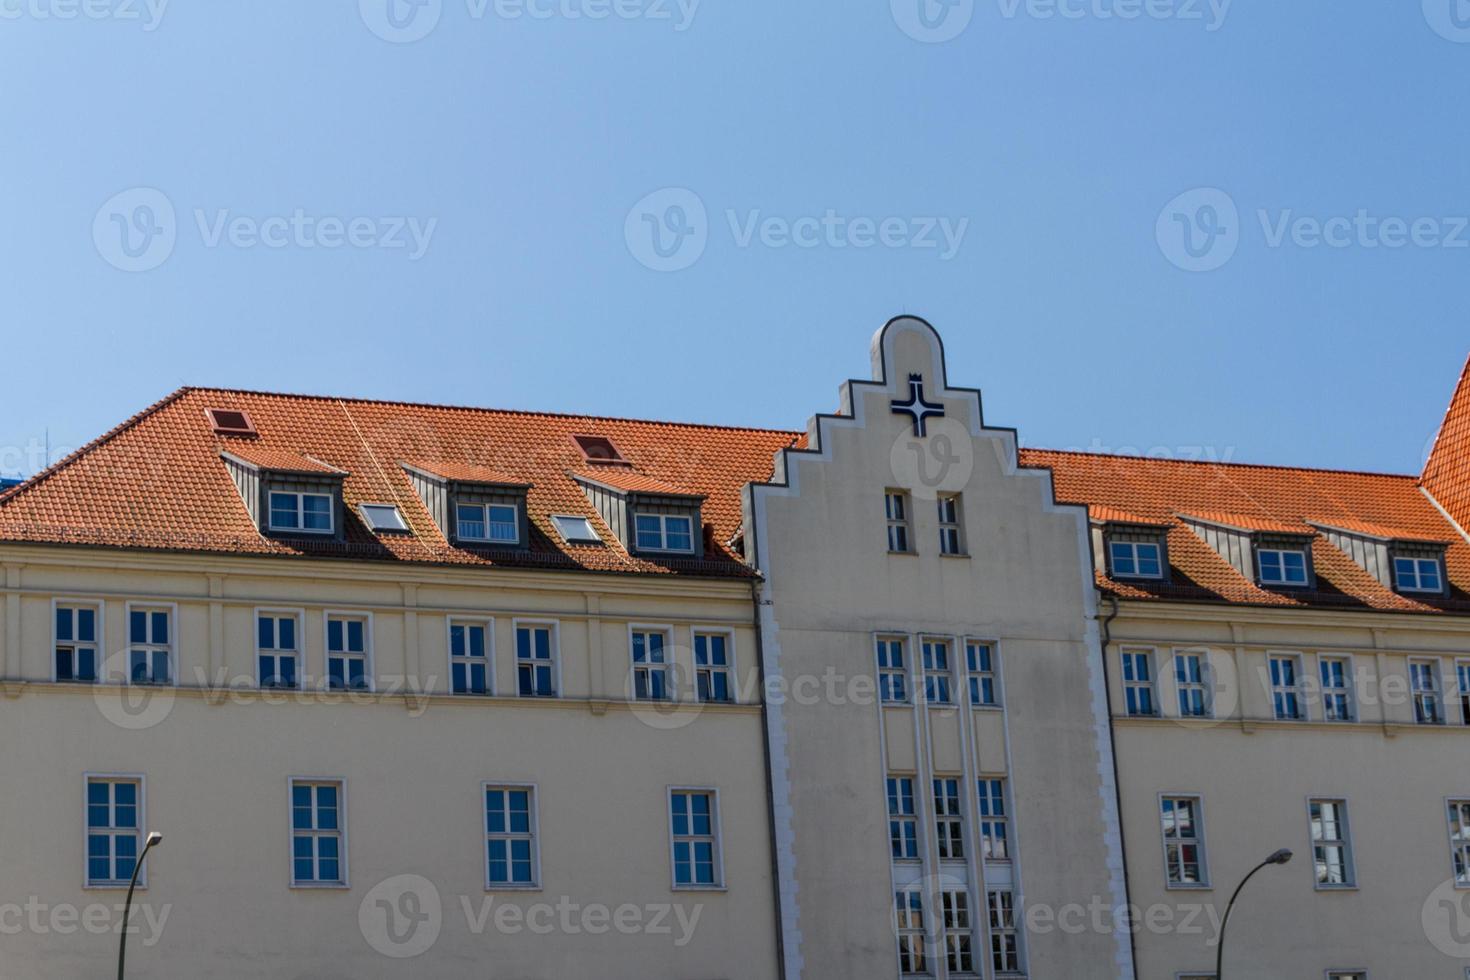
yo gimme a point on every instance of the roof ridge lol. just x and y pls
(1221, 463)
(1444, 422)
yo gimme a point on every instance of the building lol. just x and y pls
(424, 688)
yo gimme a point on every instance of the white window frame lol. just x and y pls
(488, 625)
(1337, 973)
(902, 672)
(1459, 850)
(1350, 868)
(1284, 581)
(592, 536)
(974, 679)
(1204, 684)
(944, 677)
(903, 523)
(986, 822)
(345, 878)
(484, 509)
(369, 665)
(1433, 695)
(1198, 840)
(1295, 690)
(173, 642)
(300, 495)
(554, 627)
(280, 613)
(1348, 691)
(535, 835)
(913, 937)
(958, 926)
(650, 667)
(1150, 686)
(663, 533)
(99, 642)
(362, 509)
(951, 528)
(728, 669)
(142, 829)
(903, 819)
(998, 933)
(1419, 562)
(1132, 548)
(1462, 688)
(949, 824)
(717, 826)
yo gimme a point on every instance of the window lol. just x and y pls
(664, 532)
(1460, 841)
(150, 649)
(1005, 944)
(598, 449)
(694, 830)
(575, 530)
(980, 665)
(347, 658)
(995, 842)
(1337, 692)
(535, 661)
(1279, 567)
(469, 657)
(892, 671)
(1331, 849)
(1138, 683)
(1424, 683)
(1189, 676)
(317, 845)
(936, 671)
(310, 512)
(382, 517)
(230, 422)
(278, 652)
(1136, 559)
(909, 912)
(1462, 673)
(957, 950)
(712, 667)
(496, 523)
(510, 837)
(1418, 575)
(1184, 850)
(651, 679)
(949, 823)
(1286, 697)
(114, 829)
(896, 508)
(951, 542)
(903, 822)
(76, 642)
(1347, 975)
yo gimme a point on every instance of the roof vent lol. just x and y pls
(230, 422)
(600, 450)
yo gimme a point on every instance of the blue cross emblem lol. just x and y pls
(916, 407)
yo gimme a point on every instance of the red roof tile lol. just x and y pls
(1379, 531)
(622, 478)
(1103, 514)
(468, 473)
(1447, 473)
(280, 460)
(1248, 522)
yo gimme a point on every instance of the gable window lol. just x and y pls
(957, 949)
(949, 823)
(310, 512)
(114, 828)
(664, 532)
(1286, 696)
(892, 671)
(1135, 559)
(76, 642)
(536, 661)
(1189, 678)
(651, 680)
(980, 666)
(347, 653)
(1418, 575)
(278, 653)
(1184, 850)
(150, 648)
(896, 510)
(694, 831)
(510, 837)
(317, 847)
(1331, 848)
(1279, 567)
(1337, 692)
(469, 657)
(951, 541)
(712, 667)
(994, 824)
(903, 821)
(908, 910)
(496, 523)
(1005, 942)
(936, 671)
(1138, 683)
(1424, 684)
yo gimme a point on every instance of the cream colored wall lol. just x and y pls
(1256, 775)
(217, 764)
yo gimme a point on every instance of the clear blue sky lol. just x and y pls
(528, 140)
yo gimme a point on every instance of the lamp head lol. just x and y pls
(154, 839)
(1280, 857)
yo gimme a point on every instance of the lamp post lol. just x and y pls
(154, 839)
(1279, 857)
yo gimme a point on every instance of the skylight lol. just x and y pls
(382, 517)
(230, 422)
(598, 449)
(575, 530)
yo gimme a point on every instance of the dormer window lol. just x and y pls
(308, 512)
(472, 504)
(1135, 559)
(664, 532)
(492, 523)
(1418, 575)
(1281, 567)
(599, 450)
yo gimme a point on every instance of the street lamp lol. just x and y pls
(154, 839)
(1280, 857)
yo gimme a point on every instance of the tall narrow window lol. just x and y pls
(957, 929)
(1286, 697)
(1460, 841)
(1424, 683)
(936, 672)
(76, 643)
(951, 540)
(903, 821)
(893, 686)
(1337, 692)
(317, 852)
(278, 652)
(495, 523)
(651, 681)
(150, 649)
(1184, 851)
(535, 661)
(695, 829)
(510, 837)
(949, 822)
(114, 828)
(995, 836)
(712, 667)
(347, 654)
(980, 668)
(1005, 943)
(908, 908)
(469, 657)
(1138, 683)
(1331, 847)
(1190, 678)
(1462, 673)
(896, 508)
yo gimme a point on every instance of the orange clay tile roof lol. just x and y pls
(1104, 514)
(1247, 522)
(1379, 531)
(157, 480)
(277, 460)
(468, 473)
(1447, 474)
(623, 478)
(1263, 495)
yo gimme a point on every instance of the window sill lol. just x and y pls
(1206, 887)
(1335, 888)
(988, 707)
(491, 888)
(320, 886)
(906, 554)
(957, 554)
(108, 887)
(700, 888)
